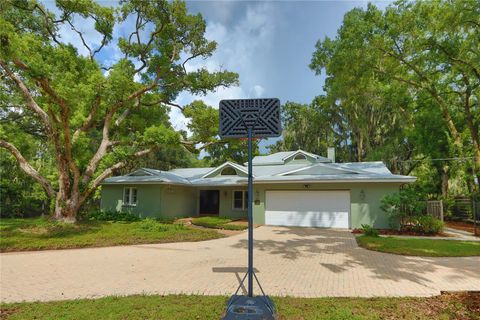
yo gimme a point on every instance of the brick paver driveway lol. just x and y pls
(290, 261)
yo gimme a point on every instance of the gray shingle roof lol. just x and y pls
(316, 171)
(280, 157)
(160, 177)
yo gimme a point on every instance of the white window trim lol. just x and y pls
(244, 201)
(130, 197)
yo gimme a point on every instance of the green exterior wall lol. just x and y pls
(179, 201)
(366, 211)
(149, 199)
(168, 201)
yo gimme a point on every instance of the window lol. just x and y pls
(130, 196)
(300, 157)
(240, 200)
(229, 171)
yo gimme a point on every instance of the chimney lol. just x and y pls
(331, 154)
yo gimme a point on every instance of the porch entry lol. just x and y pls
(209, 202)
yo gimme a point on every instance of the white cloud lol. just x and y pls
(239, 47)
(259, 90)
(178, 121)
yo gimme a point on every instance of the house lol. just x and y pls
(294, 188)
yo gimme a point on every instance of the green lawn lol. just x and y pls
(459, 306)
(217, 223)
(41, 234)
(420, 247)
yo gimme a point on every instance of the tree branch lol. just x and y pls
(126, 112)
(30, 102)
(44, 83)
(105, 143)
(101, 151)
(28, 169)
(81, 38)
(108, 172)
(88, 120)
(171, 104)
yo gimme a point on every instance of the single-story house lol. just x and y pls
(294, 188)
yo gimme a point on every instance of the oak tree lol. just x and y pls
(89, 111)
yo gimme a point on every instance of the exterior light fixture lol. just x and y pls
(362, 194)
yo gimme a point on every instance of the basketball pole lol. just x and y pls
(250, 214)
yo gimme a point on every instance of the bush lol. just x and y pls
(402, 208)
(369, 230)
(111, 215)
(152, 225)
(428, 224)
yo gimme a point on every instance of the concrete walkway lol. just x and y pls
(461, 235)
(290, 261)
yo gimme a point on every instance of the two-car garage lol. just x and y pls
(308, 208)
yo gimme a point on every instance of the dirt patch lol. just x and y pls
(469, 300)
(5, 313)
(448, 305)
(464, 226)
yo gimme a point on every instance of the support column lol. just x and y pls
(250, 215)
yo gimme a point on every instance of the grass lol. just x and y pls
(420, 247)
(217, 223)
(450, 306)
(42, 234)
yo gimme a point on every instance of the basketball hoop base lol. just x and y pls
(251, 308)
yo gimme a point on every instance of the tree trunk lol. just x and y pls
(66, 207)
(67, 200)
(444, 181)
(360, 147)
(474, 133)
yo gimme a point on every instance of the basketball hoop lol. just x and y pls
(248, 120)
(246, 139)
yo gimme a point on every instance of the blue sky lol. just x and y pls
(268, 43)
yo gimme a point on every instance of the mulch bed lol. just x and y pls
(391, 232)
(470, 299)
(461, 225)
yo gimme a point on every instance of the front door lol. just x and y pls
(209, 202)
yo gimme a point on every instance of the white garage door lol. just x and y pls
(328, 209)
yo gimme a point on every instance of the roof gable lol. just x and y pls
(285, 157)
(309, 156)
(218, 170)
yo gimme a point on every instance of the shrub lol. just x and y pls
(152, 225)
(111, 215)
(428, 224)
(369, 230)
(402, 207)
